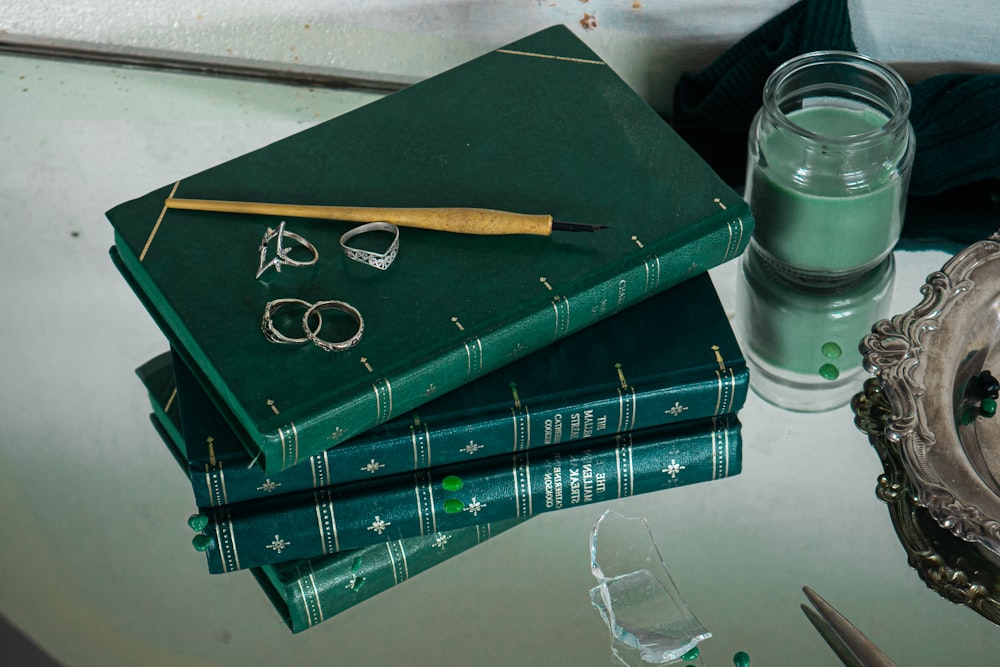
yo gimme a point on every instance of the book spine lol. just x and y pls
(665, 264)
(431, 501)
(400, 448)
(309, 591)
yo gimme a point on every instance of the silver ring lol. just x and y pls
(378, 260)
(313, 334)
(271, 332)
(281, 252)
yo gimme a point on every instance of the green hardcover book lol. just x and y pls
(542, 126)
(309, 591)
(312, 590)
(632, 371)
(500, 488)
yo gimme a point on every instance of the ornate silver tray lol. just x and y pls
(928, 363)
(962, 572)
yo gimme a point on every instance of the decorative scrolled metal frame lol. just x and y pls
(942, 470)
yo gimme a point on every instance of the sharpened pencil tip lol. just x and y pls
(558, 226)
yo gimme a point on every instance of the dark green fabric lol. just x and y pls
(955, 186)
(713, 108)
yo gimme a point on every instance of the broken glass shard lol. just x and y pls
(636, 595)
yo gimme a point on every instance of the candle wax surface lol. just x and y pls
(814, 209)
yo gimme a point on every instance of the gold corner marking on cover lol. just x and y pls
(170, 400)
(156, 225)
(547, 56)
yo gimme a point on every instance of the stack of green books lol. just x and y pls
(486, 376)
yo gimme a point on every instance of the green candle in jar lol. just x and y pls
(829, 160)
(801, 341)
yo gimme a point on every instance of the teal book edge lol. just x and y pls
(311, 590)
(671, 358)
(500, 488)
(540, 126)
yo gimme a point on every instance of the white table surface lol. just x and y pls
(97, 566)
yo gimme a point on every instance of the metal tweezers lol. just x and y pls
(852, 647)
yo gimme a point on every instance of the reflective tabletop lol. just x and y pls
(97, 566)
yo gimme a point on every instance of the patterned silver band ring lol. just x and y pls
(313, 333)
(271, 332)
(378, 260)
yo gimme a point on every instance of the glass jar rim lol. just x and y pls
(896, 121)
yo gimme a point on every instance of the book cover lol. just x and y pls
(542, 126)
(309, 591)
(671, 358)
(515, 486)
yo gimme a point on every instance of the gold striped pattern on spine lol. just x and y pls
(226, 541)
(327, 522)
(424, 492)
(311, 603)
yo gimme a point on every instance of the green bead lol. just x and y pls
(831, 350)
(202, 542)
(741, 659)
(197, 522)
(452, 483)
(453, 506)
(356, 565)
(988, 407)
(692, 654)
(829, 372)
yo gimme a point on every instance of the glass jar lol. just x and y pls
(830, 155)
(801, 340)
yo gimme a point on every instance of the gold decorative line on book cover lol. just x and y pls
(726, 383)
(420, 435)
(623, 460)
(327, 522)
(289, 446)
(156, 225)
(215, 479)
(521, 419)
(560, 308)
(320, 464)
(383, 400)
(397, 558)
(522, 485)
(551, 57)
(424, 492)
(733, 248)
(310, 599)
(474, 352)
(224, 538)
(720, 449)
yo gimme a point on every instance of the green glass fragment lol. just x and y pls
(829, 372)
(197, 522)
(831, 350)
(692, 654)
(452, 483)
(988, 407)
(202, 542)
